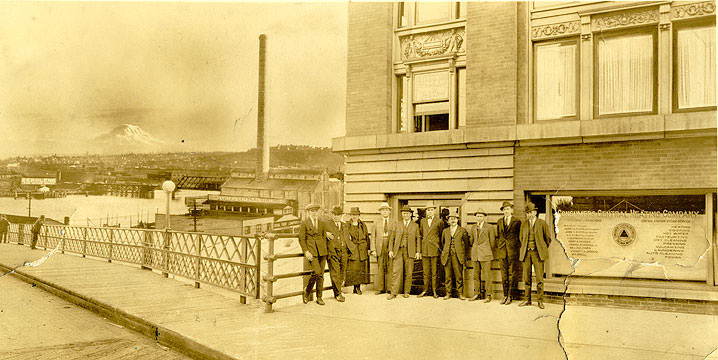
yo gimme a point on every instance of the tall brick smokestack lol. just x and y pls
(262, 128)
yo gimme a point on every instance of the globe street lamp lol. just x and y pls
(168, 186)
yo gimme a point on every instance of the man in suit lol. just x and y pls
(453, 256)
(507, 246)
(404, 248)
(338, 253)
(535, 239)
(430, 231)
(385, 228)
(312, 239)
(482, 237)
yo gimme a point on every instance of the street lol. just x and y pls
(37, 325)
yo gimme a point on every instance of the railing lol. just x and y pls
(226, 261)
(270, 278)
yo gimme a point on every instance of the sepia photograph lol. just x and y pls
(358, 180)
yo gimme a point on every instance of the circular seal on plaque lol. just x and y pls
(624, 234)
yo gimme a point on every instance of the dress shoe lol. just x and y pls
(320, 301)
(391, 297)
(447, 297)
(461, 297)
(358, 291)
(540, 305)
(423, 293)
(474, 298)
(340, 298)
(525, 303)
(488, 299)
(503, 302)
(436, 296)
(405, 295)
(305, 297)
(508, 302)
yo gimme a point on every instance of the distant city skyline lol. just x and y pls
(183, 73)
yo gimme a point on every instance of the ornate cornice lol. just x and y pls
(554, 30)
(624, 19)
(433, 43)
(692, 10)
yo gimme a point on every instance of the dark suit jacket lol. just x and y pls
(431, 236)
(380, 243)
(341, 236)
(543, 238)
(313, 239)
(412, 239)
(507, 238)
(358, 246)
(483, 241)
(461, 241)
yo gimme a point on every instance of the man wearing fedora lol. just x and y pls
(535, 239)
(453, 256)
(507, 252)
(337, 236)
(430, 231)
(482, 237)
(404, 248)
(385, 228)
(312, 239)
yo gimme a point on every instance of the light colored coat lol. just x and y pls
(412, 239)
(483, 241)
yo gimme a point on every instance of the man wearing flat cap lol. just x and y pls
(404, 248)
(312, 239)
(337, 236)
(507, 252)
(430, 230)
(453, 255)
(385, 229)
(482, 237)
(535, 239)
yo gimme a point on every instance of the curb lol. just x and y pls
(160, 334)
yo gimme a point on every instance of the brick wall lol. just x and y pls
(491, 69)
(650, 164)
(369, 74)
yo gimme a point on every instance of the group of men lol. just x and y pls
(517, 245)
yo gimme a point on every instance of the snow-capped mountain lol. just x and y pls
(128, 134)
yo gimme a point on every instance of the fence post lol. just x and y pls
(269, 279)
(165, 249)
(258, 262)
(199, 259)
(146, 250)
(84, 243)
(244, 257)
(64, 231)
(20, 234)
(112, 235)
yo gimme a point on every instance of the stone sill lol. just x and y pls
(684, 290)
(625, 128)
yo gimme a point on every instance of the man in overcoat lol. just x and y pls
(337, 251)
(453, 256)
(430, 234)
(507, 244)
(385, 228)
(404, 248)
(312, 239)
(482, 237)
(536, 236)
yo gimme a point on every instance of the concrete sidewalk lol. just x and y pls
(206, 323)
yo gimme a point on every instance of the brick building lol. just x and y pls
(600, 112)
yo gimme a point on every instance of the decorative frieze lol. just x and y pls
(555, 30)
(692, 10)
(624, 19)
(433, 43)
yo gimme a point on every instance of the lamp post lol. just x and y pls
(168, 186)
(29, 204)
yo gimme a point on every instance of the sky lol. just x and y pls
(185, 73)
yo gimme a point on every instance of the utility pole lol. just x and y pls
(194, 215)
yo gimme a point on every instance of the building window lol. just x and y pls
(461, 106)
(626, 73)
(431, 101)
(556, 79)
(695, 67)
(432, 12)
(258, 228)
(247, 230)
(403, 15)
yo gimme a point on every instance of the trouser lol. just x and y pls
(429, 265)
(453, 269)
(33, 244)
(382, 281)
(337, 269)
(402, 263)
(532, 258)
(510, 274)
(483, 278)
(317, 265)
